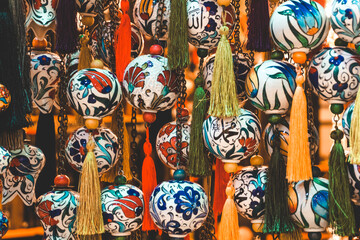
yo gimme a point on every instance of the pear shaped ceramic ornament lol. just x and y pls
(299, 26)
(5, 98)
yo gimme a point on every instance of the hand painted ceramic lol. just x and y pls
(308, 202)
(5, 158)
(283, 127)
(178, 207)
(270, 86)
(299, 25)
(123, 209)
(204, 22)
(166, 144)
(345, 20)
(232, 139)
(144, 14)
(4, 224)
(71, 63)
(241, 69)
(5, 98)
(346, 119)
(354, 178)
(334, 74)
(20, 177)
(44, 75)
(104, 50)
(57, 212)
(249, 197)
(149, 85)
(86, 6)
(94, 92)
(137, 41)
(106, 148)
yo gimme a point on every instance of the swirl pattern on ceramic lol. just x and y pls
(72, 62)
(123, 209)
(57, 212)
(20, 177)
(249, 197)
(346, 119)
(106, 148)
(335, 74)
(149, 85)
(299, 25)
(94, 93)
(232, 139)
(5, 158)
(178, 207)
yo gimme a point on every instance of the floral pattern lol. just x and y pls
(178, 207)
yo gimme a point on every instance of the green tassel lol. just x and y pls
(178, 53)
(223, 99)
(198, 162)
(341, 212)
(277, 213)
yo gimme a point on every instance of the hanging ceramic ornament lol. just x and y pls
(20, 177)
(354, 178)
(309, 206)
(166, 143)
(5, 98)
(44, 74)
(123, 208)
(345, 19)
(205, 20)
(179, 207)
(71, 63)
(4, 224)
(106, 148)
(57, 209)
(137, 41)
(5, 158)
(346, 119)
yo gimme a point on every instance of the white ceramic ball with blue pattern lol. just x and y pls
(299, 26)
(123, 209)
(345, 20)
(94, 93)
(5, 158)
(178, 207)
(335, 74)
(270, 86)
(232, 139)
(346, 119)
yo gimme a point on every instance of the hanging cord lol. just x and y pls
(114, 12)
(99, 9)
(133, 144)
(159, 28)
(180, 105)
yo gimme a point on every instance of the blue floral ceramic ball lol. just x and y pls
(178, 207)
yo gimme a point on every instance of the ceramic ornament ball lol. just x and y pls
(5, 98)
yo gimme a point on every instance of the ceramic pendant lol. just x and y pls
(354, 178)
(20, 177)
(346, 119)
(71, 63)
(5, 98)
(5, 158)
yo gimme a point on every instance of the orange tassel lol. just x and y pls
(122, 41)
(221, 180)
(148, 183)
(299, 161)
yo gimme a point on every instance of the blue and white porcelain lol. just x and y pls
(4, 224)
(345, 20)
(270, 86)
(178, 207)
(346, 119)
(354, 179)
(57, 212)
(21, 175)
(232, 139)
(249, 196)
(5, 158)
(106, 148)
(309, 206)
(299, 26)
(94, 93)
(149, 84)
(335, 74)
(123, 209)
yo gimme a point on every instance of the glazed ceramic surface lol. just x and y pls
(149, 85)
(44, 75)
(104, 49)
(5, 158)
(354, 179)
(106, 148)
(270, 86)
(178, 207)
(144, 14)
(137, 41)
(123, 209)
(309, 204)
(4, 224)
(57, 212)
(241, 69)
(232, 139)
(5, 98)
(299, 25)
(86, 6)
(20, 177)
(345, 20)
(335, 74)
(204, 22)
(166, 144)
(283, 128)
(346, 119)
(249, 197)
(71, 62)
(94, 93)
